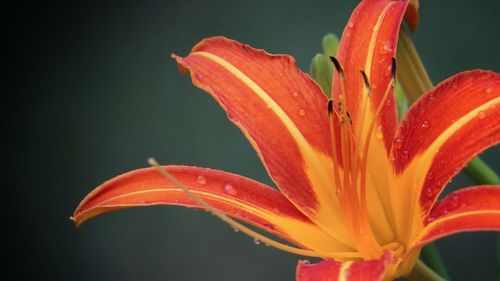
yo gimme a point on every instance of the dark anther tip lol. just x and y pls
(365, 80)
(330, 107)
(338, 67)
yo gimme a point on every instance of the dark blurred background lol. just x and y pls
(89, 92)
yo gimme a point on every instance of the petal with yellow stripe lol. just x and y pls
(469, 209)
(440, 133)
(368, 44)
(283, 113)
(237, 196)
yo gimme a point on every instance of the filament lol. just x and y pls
(236, 225)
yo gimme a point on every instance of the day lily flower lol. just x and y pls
(356, 188)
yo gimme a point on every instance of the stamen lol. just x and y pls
(338, 67)
(345, 151)
(330, 107)
(365, 80)
(393, 70)
(236, 225)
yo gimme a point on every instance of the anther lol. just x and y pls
(393, 70)
(330, 107)
(365, 80)
(338, 67)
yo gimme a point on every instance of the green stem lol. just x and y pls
(422, 272)
(430, 255)
(481, 173)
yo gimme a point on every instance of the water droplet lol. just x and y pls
(454, 200)
(269, 226)
(405, 153)
(199, 76)
(430, 219)
(388, 102)
(388, 71)
(306, 262)
(398, 143)
(379, 133)
(230, 190)
(350, 24)
(201, 180)
(430, 175)
(302, 112)
(236, 230)
(426, 124)
(295, 94)
(387, 47)
(481, 115)
(277, 211)
(489, 90)
(445, 211)
(428, 192)
(256, 241)
(431, 97)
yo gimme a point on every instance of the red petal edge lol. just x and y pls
(331, 270)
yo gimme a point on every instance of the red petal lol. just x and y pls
(235, 195)
(284, 115)
(368, 43)
(469, 209)
(330, 270)
(446, 128)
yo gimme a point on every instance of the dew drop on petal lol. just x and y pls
(350, 24)
(430, 219)
(230, 190)
(405, 153)
(454, 200)
(295, 94)
(430, 175)
(379, 133)
(398, 143)
(277, 211)
(199, 76)
(236, 230)
(302, 112)
(431, 97)
(481, 115)
(201, 180)
(489, 90)
(428, 192)
(387, 47)
(256, 241)
(426, 124)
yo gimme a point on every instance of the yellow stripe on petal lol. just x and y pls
(317, 164)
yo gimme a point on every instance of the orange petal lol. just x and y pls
(469, 209)
(446, 128)
(284, 115)
(235, 195)
(368, 43)
(331, 270)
